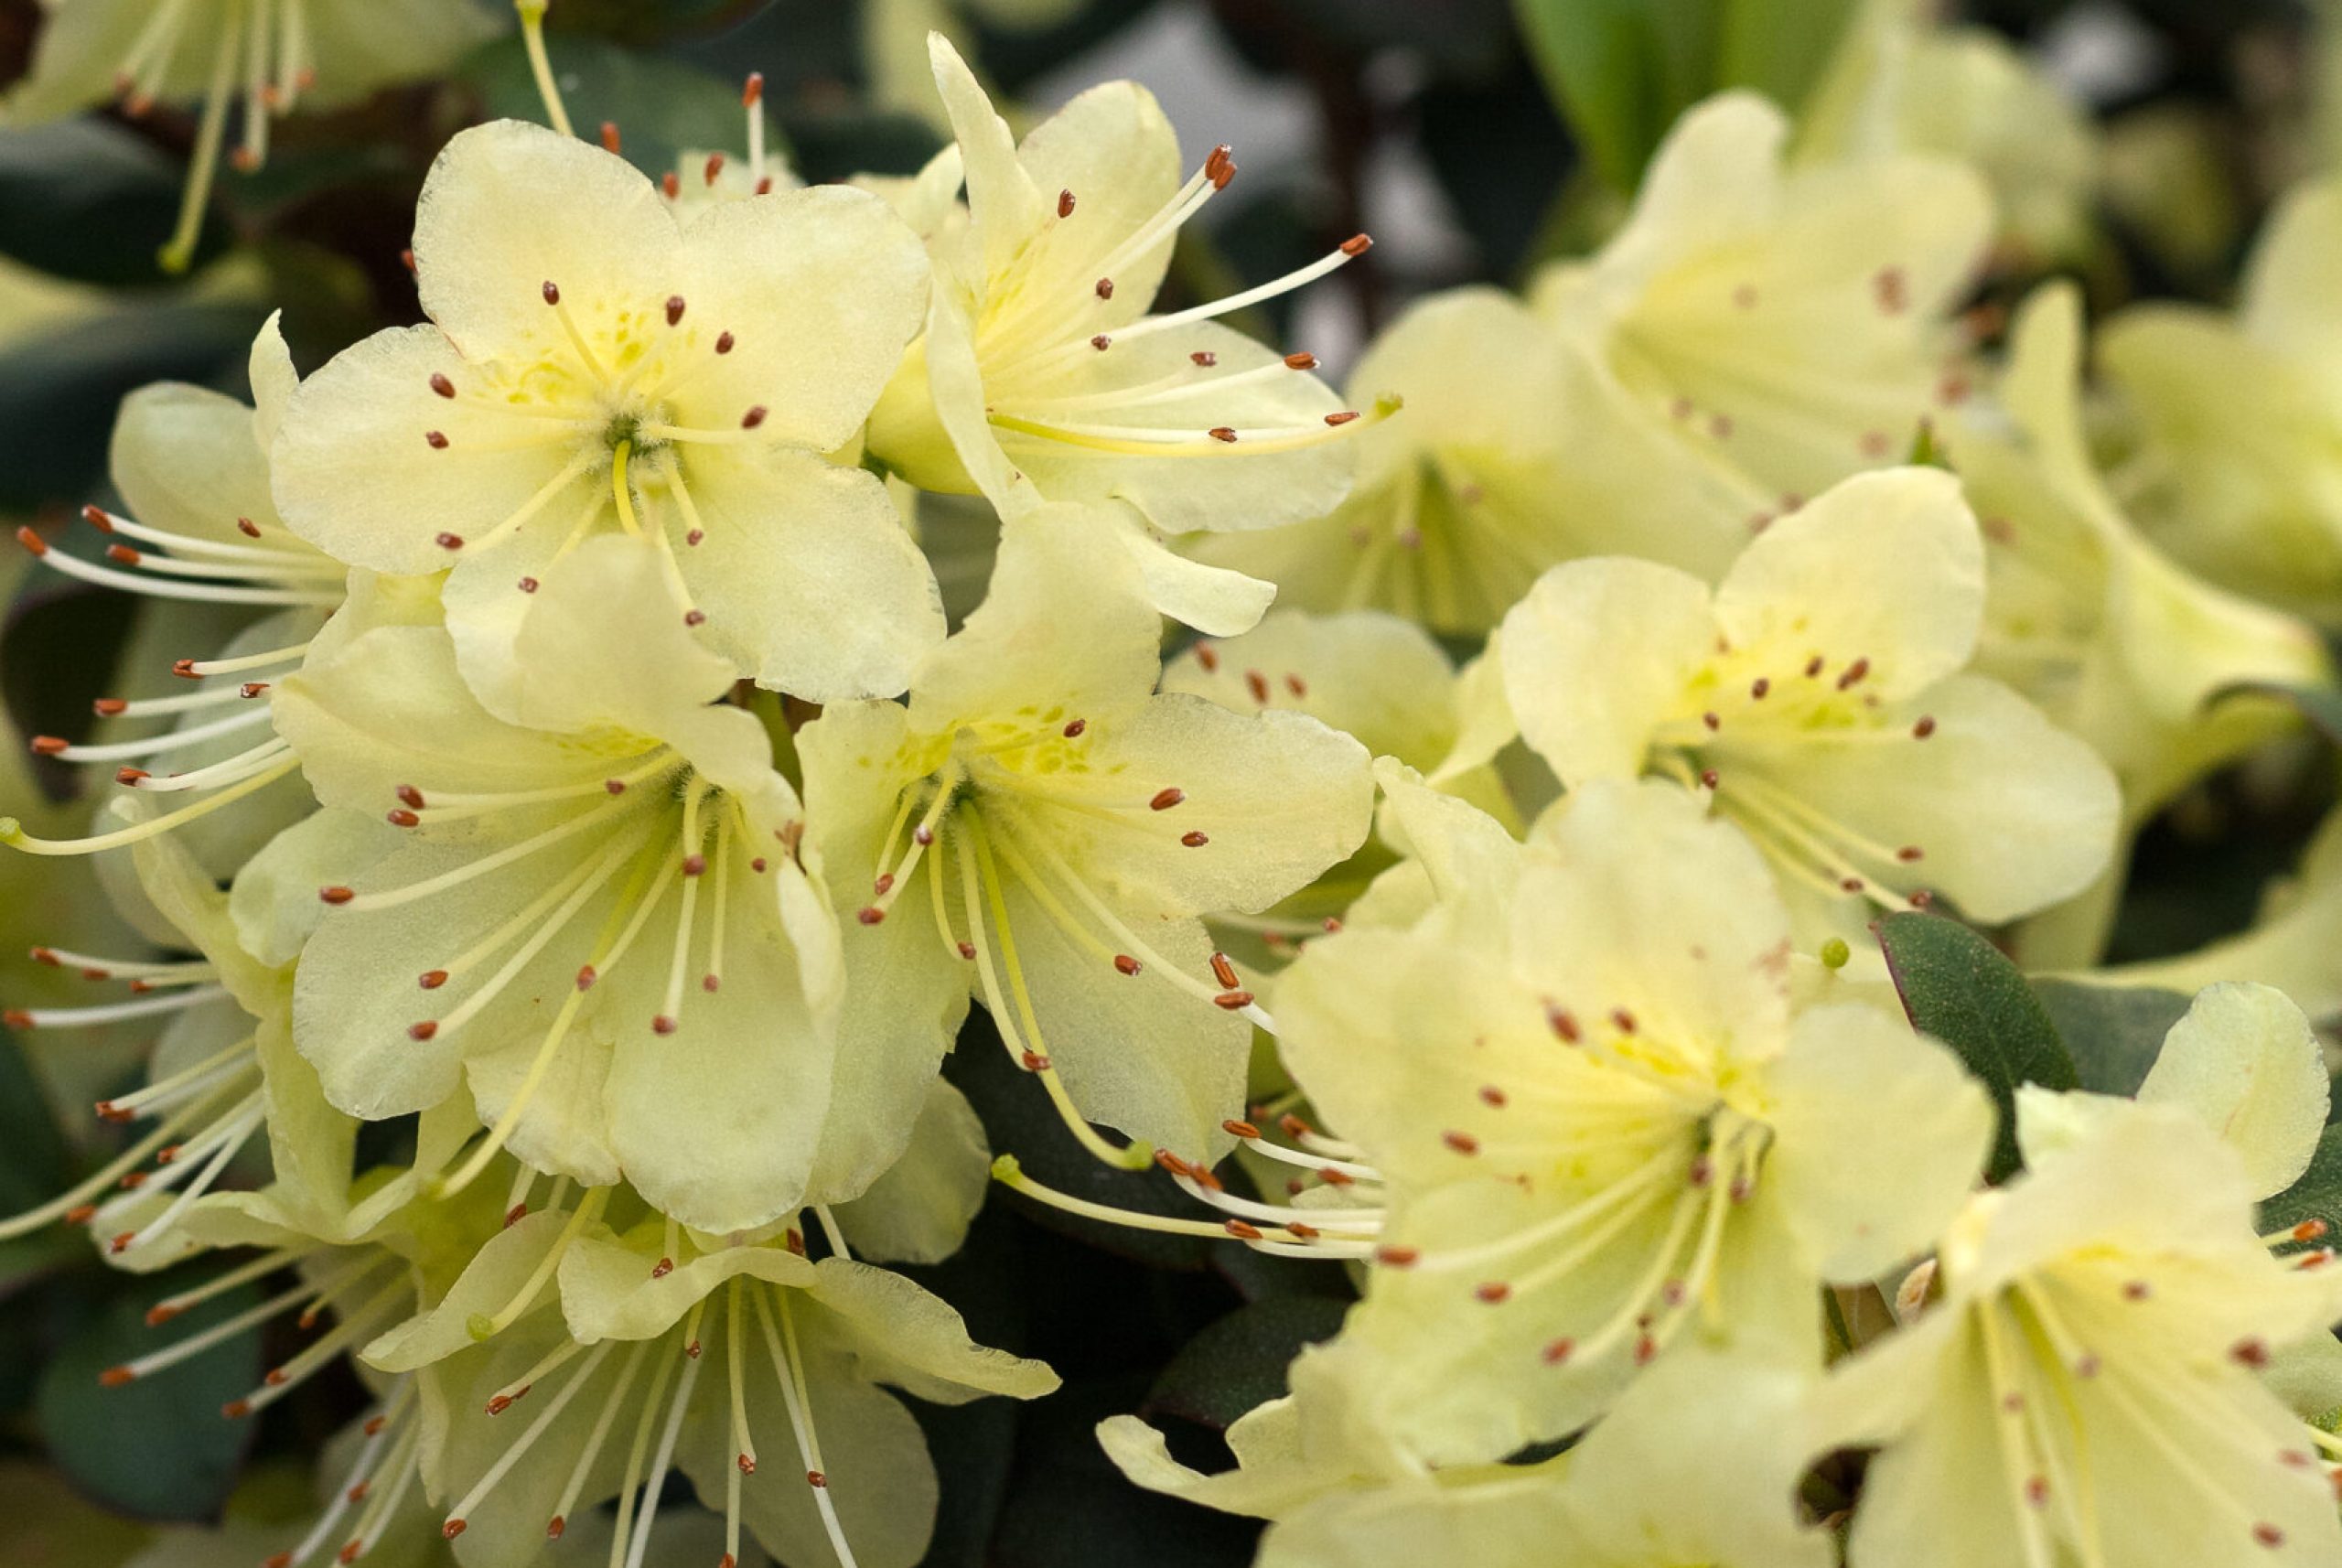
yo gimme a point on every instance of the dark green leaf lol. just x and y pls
(1964, 991)
(1780, 47)
(59, 394)
(91, 199)
(1621, 71)
(660, 107)
(2113, 1033)
(157, 1448)
(2317, 1196)
(1241, 1362)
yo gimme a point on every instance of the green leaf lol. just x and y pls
(2113, 1033)
(1241, 1362)
(92, 200)
(59, 394)
(1622, 70)
(2317, 1196)
(158, 1447)
(1964, 991)
(660, 107)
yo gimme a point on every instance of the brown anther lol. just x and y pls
(1710, 777)
(711, 983)
(2254, 1353)
(1462, 1142)
(1396, 1257)
(442, 385)
(400, 817)
(611, 141)
(1813, 666)
(1105, 288)
(870, 914)
(1624, 1019)
(1241, 1231)
(2268, 1535)
(1853, 673)
(1646, 1347)
(663, 1025)
(1217, 160)
(1222, 433)
(1236, 1128)
(695, 866)
(662, 1268)
(1562, 1023)
(752, 418)
(248, 528)
(1224, 970)
(552, 292)
(1295, 684)
(236, 1409)
(1713, 721)
(695, 536)
(1196, 839)
(1307, 1232)
(1493, 1293)
(1851, 884)
(1034, 1061)
(436, 439)
(1303, 360)
(923, 834)
(1557, 1351)
(32, 541)
(1333, 1177)
(1126, 964)
(423, 1030)
(714, 167)
(46, 955)
(674, 308)
(815, 1479)
(1164, 799)
(555, 1526)
(1204, 358)
(409, 796)
(586, 975)
(967, 950)
(1909, 853)
(1924, 728)
(748, 1464)
(115, 1377)
(1101, 342)
(1919, 898)
(500, 1404)
(752, 93)
(275, 1377)
(670, 185)
(1065, 204)
(1758, 687)
(1357, 245)
(406, 260)
(48, 745)
(1172, 1163)
(2310, 1230)
(251, 689)
(1258, 684)
(123, 555)
(1493, 1097)
(17, 1018)
(80, 1214)
(1233, 1001)
(184, 670)
(514, 1214)
(336, 894)
(757, 864)
(527, 584)
(724, 342)
(1344, 417)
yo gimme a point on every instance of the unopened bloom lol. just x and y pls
(1042, 376)
(1818, 699)
(595, 367)
(597, 921)
(275, 55)
(1516, 453)
(751, 1368)
(2085, 1392)
(1602, 1131)
(1039, 828)
(1791, 325)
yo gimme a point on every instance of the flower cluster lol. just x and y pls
(567, 878)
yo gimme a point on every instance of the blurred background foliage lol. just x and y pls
(1475, 138)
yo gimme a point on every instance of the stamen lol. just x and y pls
(532, 37)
